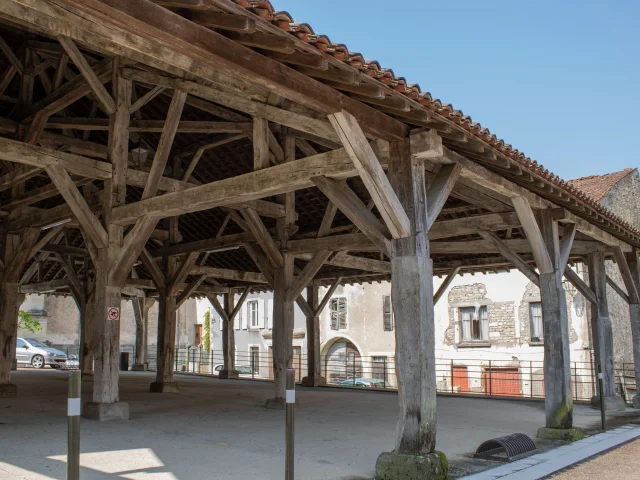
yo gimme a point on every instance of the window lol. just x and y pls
(536, 324)
(252, 312)
(387, 313)
(21, 343)
(255, 359)
(338, 308)
(475, 324)
(379, 368)
(197, 334)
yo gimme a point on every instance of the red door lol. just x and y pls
(503, 381)
(461, 379)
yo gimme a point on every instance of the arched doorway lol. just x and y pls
(342, 361)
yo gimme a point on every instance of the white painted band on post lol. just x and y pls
(291, 396)
(73, 407)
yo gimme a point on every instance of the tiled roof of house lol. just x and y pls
(303, 31)
(597, 186)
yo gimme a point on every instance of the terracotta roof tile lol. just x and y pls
(283, 20)
(597, 186)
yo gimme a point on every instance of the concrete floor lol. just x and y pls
(621, 463)
(219, 429)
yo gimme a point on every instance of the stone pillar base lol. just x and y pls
(8, 390)
(314, 381)
(401, 466)
(611, 404)
(567, 434)
(164, 387)
(14, 365)
(139, 367)
(229, 374)
(275, 404)
(106, 411)
(636, 401)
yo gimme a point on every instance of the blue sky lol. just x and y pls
(559, 80)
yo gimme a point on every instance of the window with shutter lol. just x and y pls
(536, 323)
(387, 313)
(338, 310)
(475, 323)
(252, 314)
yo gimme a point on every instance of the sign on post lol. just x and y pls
(113, 314)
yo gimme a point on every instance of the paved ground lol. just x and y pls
(621, 463)
(219, 429)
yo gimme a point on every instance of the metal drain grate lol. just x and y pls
(506, 449)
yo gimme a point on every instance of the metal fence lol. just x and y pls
(489, 378)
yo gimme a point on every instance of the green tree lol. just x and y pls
(26, 321)
(206, 338)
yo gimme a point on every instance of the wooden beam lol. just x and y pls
(371, 173)
(107, 102)
(443, 287)
(76, 286)
(184, 270)
(531, 229)
(146, 98)
(263, 41)
(611, 282)
(342, 259)
(580, 285)
(78, 205)
(236, 309)
(627, 277)
(263, 237)
(13, 59)
(224, 21)
(348, 202)
(566, 245)
(513, 257)
(327, 297)
(439, 190)
(228, 274)
(213, 299)
(131, 249)
(35, 156)
(148, 126)
(164, 146)
(260, 140)
(306, 276)
(51, 285)
(190, 289)
(152, 267)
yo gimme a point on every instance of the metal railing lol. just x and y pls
(488, 378)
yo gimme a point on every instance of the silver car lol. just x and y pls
(31, 352)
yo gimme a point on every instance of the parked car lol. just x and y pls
(31, 352)
(73, 362)
(244, 371)
(365, 383)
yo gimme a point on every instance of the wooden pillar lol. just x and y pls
(557, 366)
(412, 299)
(634, 317)
(228, 339)
(141, 307)
(314, 376)
(602, 334)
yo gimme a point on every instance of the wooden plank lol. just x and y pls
(182, 38)
(263, 41)
(78, 205)
(355, 210)
(224, 21)
(263, 237)
(627, 277)
(306, 276)
(164, 145)
(371, 173)
(273, 114)
(532, 231)
(107, 102)
(513, 257)
(49, 286)
(439, 190)
(580, 285)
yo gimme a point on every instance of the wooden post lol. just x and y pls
(557, 366)
(314, 376)
(634, 317)
(602, 335)
(87, 323)
(141, 307)
(412, 300)
(228, 339)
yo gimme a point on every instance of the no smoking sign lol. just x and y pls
(113, 314)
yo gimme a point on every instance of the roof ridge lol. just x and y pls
(589, 177)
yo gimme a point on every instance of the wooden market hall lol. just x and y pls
(171, 149)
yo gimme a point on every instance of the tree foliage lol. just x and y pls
(206, 338)
(26, 321)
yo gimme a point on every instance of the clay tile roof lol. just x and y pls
(597, 186)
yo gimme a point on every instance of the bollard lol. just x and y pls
(73, 421)
(603, 419)
(290, 409)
